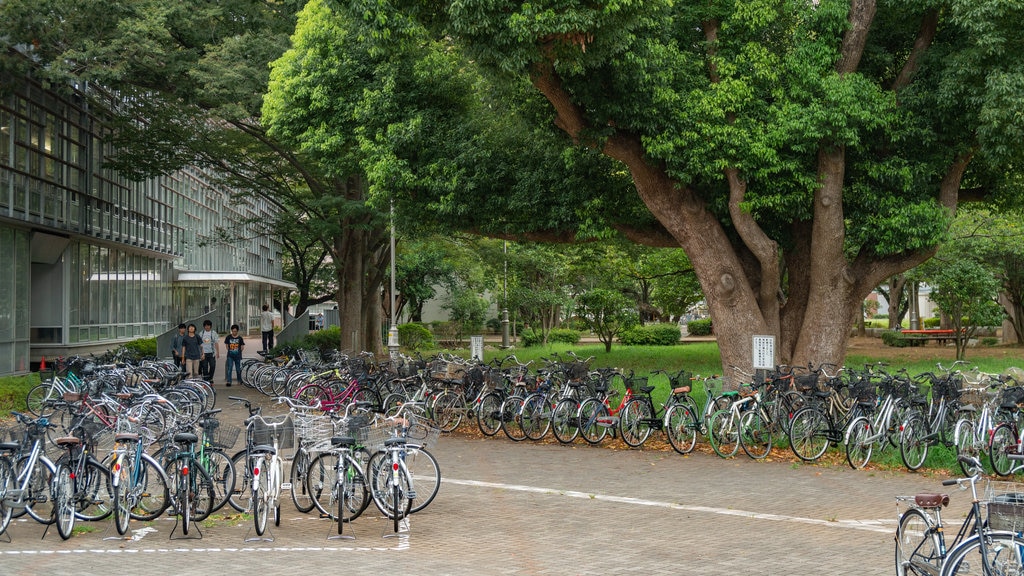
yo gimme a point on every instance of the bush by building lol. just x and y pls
(651, 335)
(699, 327)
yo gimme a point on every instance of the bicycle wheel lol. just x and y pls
(392, 402)
(63, 493)
(150, 494)
(312, 395)
(297, 478)
(94, 494)
(389, 488)
(724, 433)
(914, 441)
(488, 416)
(122, 510)
(511, 418)
(634, 422)
(39, 400)
(274, 489)
(681, 427)
(426, 476)
(808, 433)
(1004, 443)
(6, 477)
(917, 545)
(594, 420)
(1001, 553)
(859, 444)
(260, 494)
(536, 416)
(755, 434)
(353, 493)
(222, 475)
(447, 410)
(565, 423)
(38, 501)
(321, 480)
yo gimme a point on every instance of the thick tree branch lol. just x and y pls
(761, 246)
(925, 36)
(862, 13)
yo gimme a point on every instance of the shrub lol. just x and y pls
(896, 339)
(699, 327)
(415, 336)
(530, 337)
(989, 341)
(931, 322)
(651, 335)
(566, 335)
(143, 347)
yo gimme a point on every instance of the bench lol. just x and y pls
(939, 335)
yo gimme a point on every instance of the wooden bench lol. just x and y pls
(939, 335)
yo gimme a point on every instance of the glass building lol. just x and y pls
(90, 259)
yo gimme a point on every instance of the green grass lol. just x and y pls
(12, 392)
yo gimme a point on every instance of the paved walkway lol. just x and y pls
(523, 508)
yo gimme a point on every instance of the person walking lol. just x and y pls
(192, 352)
(176, 344)
(267, 328)
(211, 351)
(233, 345)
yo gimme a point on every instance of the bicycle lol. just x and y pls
(26, 474)
(191, 489)
(930, 423)
(139, 483)
(683, 420)
(81, 485)
(879, 422)
(824, 419)
(264, 465)
(745, 423)
(337, 480)
(981, 546)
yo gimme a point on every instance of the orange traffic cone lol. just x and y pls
(42, 364)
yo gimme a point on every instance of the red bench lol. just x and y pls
(939, 335)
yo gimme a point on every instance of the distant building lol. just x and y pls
(90, 259)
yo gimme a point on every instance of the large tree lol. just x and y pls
(801, 152)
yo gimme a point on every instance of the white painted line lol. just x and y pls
(868, 525)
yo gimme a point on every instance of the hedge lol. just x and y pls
(415, 336)
(533, 337)
(896, 339)
(699, 327)
(651, 335)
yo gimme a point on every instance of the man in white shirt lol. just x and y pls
(211, 351)
(267, 328)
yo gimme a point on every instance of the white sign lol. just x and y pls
(476, 347)
(764, 352)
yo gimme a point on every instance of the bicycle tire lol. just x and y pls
(591, 412)
(1002, 549)
(914, 441)
(565, 422)
(241, 496)
(426, 476)
(511, 419)
(447, 410)
(755, 434)
(39, 400)
(369, 395)
(858, 447)
(297, 478)
(313, 395)
(388, 494)
(681, 427)
(6, 477)
(222, 475)
(274, 489)
(63, 501)
(122, 473)
(94, 492)
(488, 416)
(38, 503)
(634, 427)
(808, 433)
(354, 495)
(724, 433)
(151, 492)
(1004, 442)
(536, 416)
(261, 490)
(321, 478)
(917, 545)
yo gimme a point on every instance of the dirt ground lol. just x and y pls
(873, 348)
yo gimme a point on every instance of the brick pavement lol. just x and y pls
(522, 508)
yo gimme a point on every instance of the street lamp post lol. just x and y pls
(504, 301)
(393, 330)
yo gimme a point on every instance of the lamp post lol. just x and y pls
(393, 330)
(504, 301)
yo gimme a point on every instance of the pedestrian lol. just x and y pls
(211, 351)
(176, 344)
(192, 352)
(267, 328)
(233, 345)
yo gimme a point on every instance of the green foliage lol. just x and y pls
(651, 335)
(966, 291)
(322, 340)
(13, 390)
(531, 337)
(896, 339)
(142, 347)
(415, 336)
(564, 335)
(700, 327)
(931, 323)
(608, 312)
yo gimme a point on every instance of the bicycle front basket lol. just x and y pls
(264, 432)
(1005, 502)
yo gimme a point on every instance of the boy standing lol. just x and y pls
(233, 344)
(192, 352)
(267, 328)
(176, 345)
(211, 351)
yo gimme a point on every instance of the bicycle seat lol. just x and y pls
(394, 442)
(682, 389)
(68, 441)
(645, 389)
(185, 438)
(9, 446)
(927, 500)
(126, 437)
(343, 441)
(262, 449)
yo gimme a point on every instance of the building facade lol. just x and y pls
(90, 259)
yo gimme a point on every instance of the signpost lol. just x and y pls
(476, 348)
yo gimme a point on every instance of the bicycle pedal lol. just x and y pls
(411, 494)
(286, 486)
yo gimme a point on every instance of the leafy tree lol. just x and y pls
(608, 313)
(965, 291)
(421, 266)
(801, 153)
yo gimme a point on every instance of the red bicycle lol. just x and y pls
(596, 415)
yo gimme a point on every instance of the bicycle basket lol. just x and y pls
(357, 427)
(313, 428)
(1005, 502)
(264, 432)
(422, 432)
(225, 435)
(376, 435)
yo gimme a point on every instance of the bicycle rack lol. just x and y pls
(267, 536)
(403, 527)
(196, 535)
